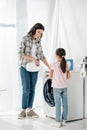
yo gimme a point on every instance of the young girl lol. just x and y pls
(59, 75)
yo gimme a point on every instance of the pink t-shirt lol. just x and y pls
(59, 79)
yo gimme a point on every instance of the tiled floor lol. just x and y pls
(42, 123)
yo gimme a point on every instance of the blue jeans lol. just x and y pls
(60, 97)
(29, 80)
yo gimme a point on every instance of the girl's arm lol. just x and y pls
(51, 74)
(68, 74)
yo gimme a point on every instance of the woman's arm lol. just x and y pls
(37, 63)
(46, 63)
(28, 57)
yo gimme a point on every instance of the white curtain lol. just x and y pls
(73, 29)
(53, 29)
(67, 28)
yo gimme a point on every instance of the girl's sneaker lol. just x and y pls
(57, 124)
(63, 123)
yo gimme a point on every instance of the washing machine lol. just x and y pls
(75, 97)
(48, 99)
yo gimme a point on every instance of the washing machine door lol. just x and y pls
(48, 93)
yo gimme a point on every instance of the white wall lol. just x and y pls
(9, 80)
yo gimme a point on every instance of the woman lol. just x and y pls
(30, 55)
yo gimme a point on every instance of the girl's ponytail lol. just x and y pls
(61, 53)
(63, 65)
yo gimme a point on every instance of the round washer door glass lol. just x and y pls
(48, 93)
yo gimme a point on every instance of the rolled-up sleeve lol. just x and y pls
(22, 48)
(42, 57)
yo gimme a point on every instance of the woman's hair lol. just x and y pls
(34, 28)
(61, 53)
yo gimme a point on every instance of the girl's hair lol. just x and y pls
(61, 53)
(34, 28)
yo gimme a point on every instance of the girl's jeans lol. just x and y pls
(29, 80)
(60, 97)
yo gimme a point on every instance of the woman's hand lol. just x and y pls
(37, 62)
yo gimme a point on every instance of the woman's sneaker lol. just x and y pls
(22, 114)
(31, 113)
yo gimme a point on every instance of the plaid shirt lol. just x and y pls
(25, 49)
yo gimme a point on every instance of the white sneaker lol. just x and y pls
(57, 124)
(63, 123)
